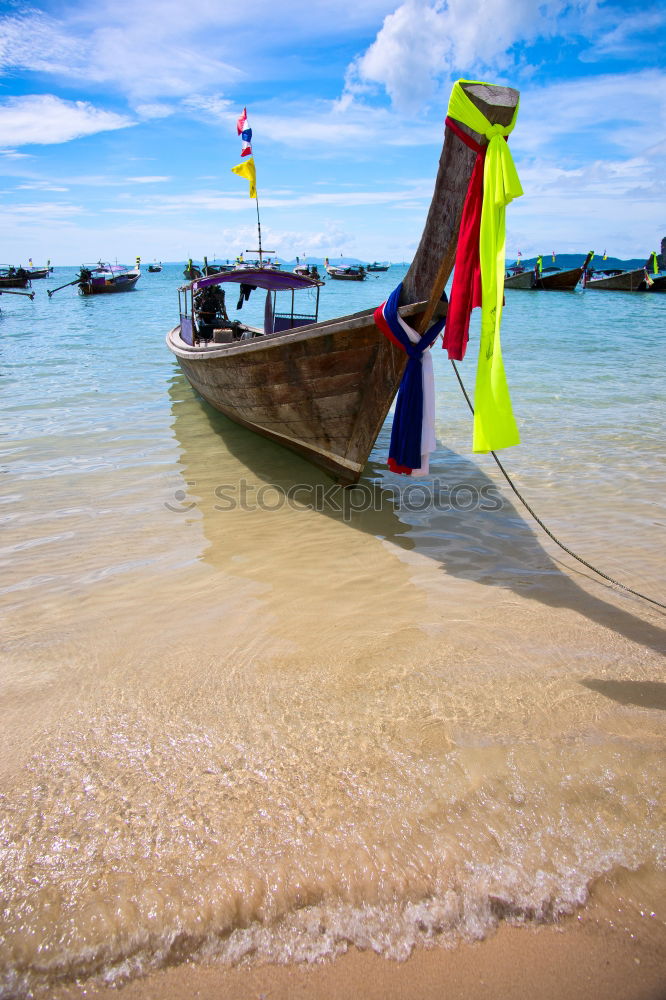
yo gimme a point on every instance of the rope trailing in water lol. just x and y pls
(538, 520)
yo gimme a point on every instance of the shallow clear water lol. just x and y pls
(246, 714)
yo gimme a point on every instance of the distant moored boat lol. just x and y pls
(191, 271)
(554, 279)
(519, 277)
(341, 273)
(40, 272)
(103, 279)
(616, 280)
(14, 277)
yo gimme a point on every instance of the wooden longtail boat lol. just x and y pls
(14, 278)
(216, 267)
(553, 279)
(515, 278)
(616, 281)
(107, 278)
(324, 389)
(102, 279)
(40, 272)
(341, 273)
(191, 271)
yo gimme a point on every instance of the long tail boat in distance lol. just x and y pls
(40, 272)
(341, 272)
(103, 279)
(376, 266)
(191, 271)
(616, 281)
(323, 389)
(14, 277)
(215, 267)
(555, 279)
(518, 276)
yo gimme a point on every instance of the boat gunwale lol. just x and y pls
(312, 331)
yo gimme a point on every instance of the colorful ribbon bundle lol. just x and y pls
(413, 431)
(479, 269)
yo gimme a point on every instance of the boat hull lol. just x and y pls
(322, 390)
(658, 284)
(14, 282)
(523, 280)
(345, 277)
(560, 281)
(627, 281)
(106, 286)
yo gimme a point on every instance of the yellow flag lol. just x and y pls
(247, 169)
(494, 423)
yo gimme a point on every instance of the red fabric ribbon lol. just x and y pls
(466, 287)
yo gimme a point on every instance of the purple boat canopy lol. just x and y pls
(273, 281)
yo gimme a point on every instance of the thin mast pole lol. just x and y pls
(256, 198)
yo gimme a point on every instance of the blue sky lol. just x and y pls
(118, 124)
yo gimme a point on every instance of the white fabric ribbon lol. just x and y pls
(428, 440)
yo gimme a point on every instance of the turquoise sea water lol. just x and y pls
(255, 730)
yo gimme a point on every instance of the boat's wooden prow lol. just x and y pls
(434, 259)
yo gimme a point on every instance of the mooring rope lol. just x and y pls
(550, 534)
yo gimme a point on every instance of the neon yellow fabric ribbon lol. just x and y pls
(494, 423)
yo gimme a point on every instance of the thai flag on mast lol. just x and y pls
(245, 132)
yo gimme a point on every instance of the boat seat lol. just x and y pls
(288, 321)
(205, 331)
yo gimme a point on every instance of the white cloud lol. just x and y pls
(154, 110)
(144, 54)
(424, 41)
(44, 119)
(626, 36)
(155, 51)
(624, 112)
(148, 180)
(590, 157)
(40, 186)
(44, 213)
(212, 202)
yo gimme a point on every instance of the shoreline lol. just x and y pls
(585, 956)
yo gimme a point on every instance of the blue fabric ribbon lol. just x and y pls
(406, 433)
